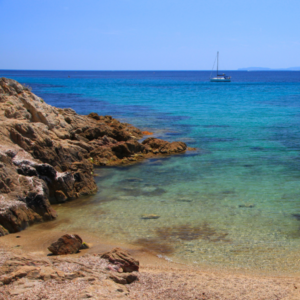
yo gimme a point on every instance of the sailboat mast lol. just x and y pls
(218, 63)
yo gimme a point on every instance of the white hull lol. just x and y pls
(216, 79)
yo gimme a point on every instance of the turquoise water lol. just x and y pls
(234, 202)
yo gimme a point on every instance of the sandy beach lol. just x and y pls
(158, 278)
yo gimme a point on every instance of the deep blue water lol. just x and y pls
(239, 192)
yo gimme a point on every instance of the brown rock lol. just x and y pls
(94, 116)
(3, 231)
(47, 154)
(160, 146)
(123, 259)
(60, 196)
(33, 272)
(21, 272)
(15, 216)
(67, 244)
(123, 278)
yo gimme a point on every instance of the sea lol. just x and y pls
(234, 202)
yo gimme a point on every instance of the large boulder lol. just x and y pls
(67, 244)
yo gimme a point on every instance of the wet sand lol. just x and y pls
(161, 279)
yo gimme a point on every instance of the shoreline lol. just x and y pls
(161, 279)
(36, 240)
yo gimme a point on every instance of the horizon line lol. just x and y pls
(234, 70)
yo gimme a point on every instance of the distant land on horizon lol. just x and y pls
(269, 69)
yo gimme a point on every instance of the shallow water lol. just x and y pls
(234, 202)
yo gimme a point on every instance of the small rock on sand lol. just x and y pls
(67, 244)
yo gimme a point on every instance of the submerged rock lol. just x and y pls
(67, 244)
(296, 216)
(247, 205)
(150, 216)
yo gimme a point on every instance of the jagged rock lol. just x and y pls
(26, 276)
(47, 154)
(123, 259)
(16, 216)
(67, 244)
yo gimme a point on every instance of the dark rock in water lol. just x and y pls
(184, 200)
(296, 216)
(67, 244)
(123, 259)
(150, 216)
(247, 205)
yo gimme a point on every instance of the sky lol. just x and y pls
(148, 34)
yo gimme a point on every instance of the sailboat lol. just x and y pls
(220, 77)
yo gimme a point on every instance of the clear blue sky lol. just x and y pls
(148, 34)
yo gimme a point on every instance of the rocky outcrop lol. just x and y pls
(34, 277)
(67, 244)
(47, 154)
